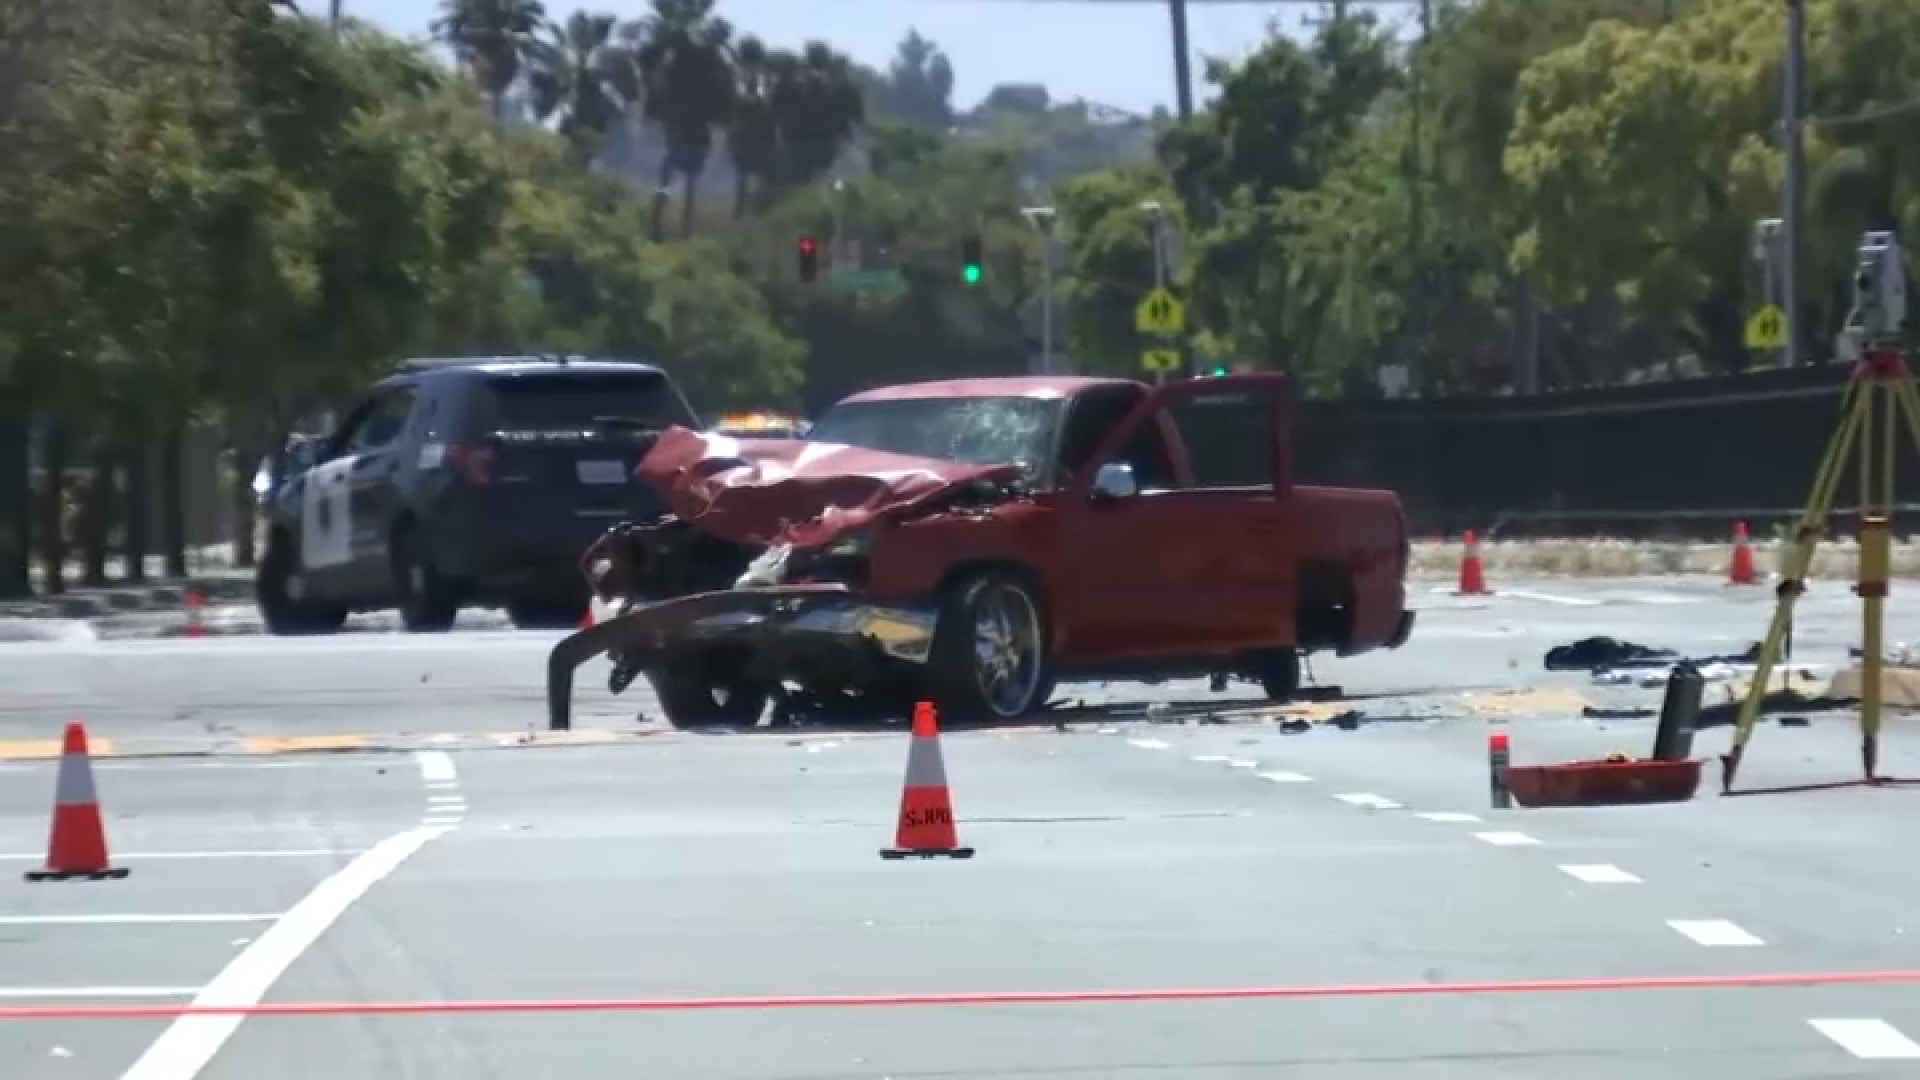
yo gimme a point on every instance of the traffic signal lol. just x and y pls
(970, 259)
(1218, 369)
(809, 258)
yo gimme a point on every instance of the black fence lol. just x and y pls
(1659, 459)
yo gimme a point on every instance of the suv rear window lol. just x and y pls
(576, 400)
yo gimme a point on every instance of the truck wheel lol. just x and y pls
(989, 659)
(1279, 674)
(701, 689)
(279, 594)
(426, 600)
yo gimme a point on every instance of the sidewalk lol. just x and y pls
(211, 574)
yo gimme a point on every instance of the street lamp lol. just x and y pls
(1043, 219)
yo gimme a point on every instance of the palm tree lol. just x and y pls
(493, 38)
(753, 133)
(818, 110)
(686, 79)
(580, 72)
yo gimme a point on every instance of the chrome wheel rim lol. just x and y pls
(1006, 649)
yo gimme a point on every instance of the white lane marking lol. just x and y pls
(435, 766)
(1282, 777)
(30, 993)
(1713, 932)
(286, 853)
(442, 799)
(454, 785)
(1507, 839)
(1865, 1037)
(1148, 744)
(190, 1042)
(1106, 731)
(1243, 763)
(1211, 759)
(1599, 874)
(1549, 598)
(1447, 817)
(1372, 802)
(127, 920)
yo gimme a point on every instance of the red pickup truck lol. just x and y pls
(977, 541)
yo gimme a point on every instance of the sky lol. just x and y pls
(1110, 53)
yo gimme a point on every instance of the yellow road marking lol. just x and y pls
(44, 749)
(1522, 701)
(294, 744)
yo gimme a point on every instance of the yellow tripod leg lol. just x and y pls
(1855, 406)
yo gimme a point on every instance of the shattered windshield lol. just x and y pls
(973, 431)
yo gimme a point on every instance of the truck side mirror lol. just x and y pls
(1115, 480)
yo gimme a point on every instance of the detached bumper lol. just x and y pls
(776, 621)
(1402, 632)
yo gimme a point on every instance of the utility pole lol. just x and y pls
(1791, 124)
(1182, 61)
(1043, 218)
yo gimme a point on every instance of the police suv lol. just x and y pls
(462, 482)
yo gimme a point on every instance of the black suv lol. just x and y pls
(455, 482)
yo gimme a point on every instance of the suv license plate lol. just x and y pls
(601, 472)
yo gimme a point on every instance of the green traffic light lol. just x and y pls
(970, 274)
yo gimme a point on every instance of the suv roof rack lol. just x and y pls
(417, 364)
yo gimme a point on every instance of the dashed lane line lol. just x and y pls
(1599, 874)
(1504, 838)
(127, 920)
(47, 993)
(1868, 1038)
(1713, 933)
(1371, 802)
(1149, 744)
(446, 806)
(266, 853)
(1446, 817)
(1280, 776)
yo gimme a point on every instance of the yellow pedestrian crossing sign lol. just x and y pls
(1767, 329)
(1161, 361)
(1160, 312)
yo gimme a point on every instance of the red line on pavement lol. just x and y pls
(979, 997)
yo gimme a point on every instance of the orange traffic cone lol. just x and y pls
(77, 847)
(926, 828)
(1740, 570)
(1473, 576)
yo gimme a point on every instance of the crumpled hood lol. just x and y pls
(771, 491)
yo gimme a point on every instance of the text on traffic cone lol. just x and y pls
(1473, 576)
(1740, 570)
(926, 829)
(77, 845)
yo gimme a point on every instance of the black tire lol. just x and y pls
(426, 601)
(701, 689)
(1279, 673)
(282, 613)
(1014, 684)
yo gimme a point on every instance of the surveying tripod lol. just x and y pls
(1879, 407)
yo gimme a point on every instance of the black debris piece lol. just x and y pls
(1594, 653)
(1605, 653)
(1349, 720)
(1780, 701)
(1295, 727)
(1596, 712)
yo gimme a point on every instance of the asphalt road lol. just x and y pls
(1119, 853)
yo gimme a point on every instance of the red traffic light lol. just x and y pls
(806, 245)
